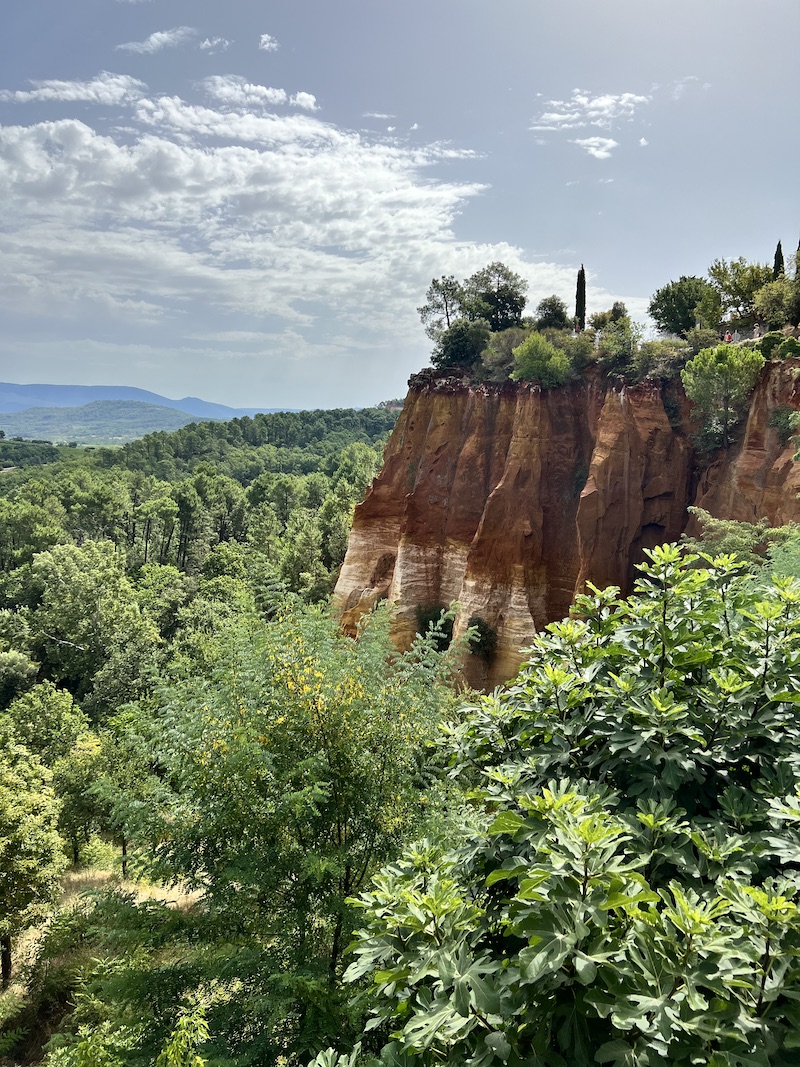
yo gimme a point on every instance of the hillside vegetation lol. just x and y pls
(595, 864)
(103, 422)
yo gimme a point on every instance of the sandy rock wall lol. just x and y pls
(509, 499)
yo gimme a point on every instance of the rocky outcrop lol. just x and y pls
(508, 499)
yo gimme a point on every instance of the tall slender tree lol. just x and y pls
(778, 269)
(580, 301)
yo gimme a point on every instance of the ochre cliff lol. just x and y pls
(508, 499)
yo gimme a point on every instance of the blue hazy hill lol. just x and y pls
(15, 398)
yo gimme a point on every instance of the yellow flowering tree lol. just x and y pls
(280, 784)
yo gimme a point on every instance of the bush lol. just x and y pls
(537, 360)
(788, 348)
(771, 341)
(784, 419)
(484, 644)
(625, 888)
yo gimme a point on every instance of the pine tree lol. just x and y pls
(580, 300)
(777, 266)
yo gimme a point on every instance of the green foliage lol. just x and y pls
(601, 319)
(700, 337)
(672, 307)
(745, 540)
(461, 345)
(620, 892)
(619, 344)
(180, 1050)
(86, 625)
(719, 382)
(31, 858)
(551, 313)
(497, 295)
(784, 554)
(17, 673)
(660, 360)
(778, 266)
(497, 359)
(443, 305)
(281, 777)
(785, 420)
(435, 620)
(101, 422)
(536, 359)
(580, 300)
(737, 282)
(774, 302)
(46, 721)
(493, 297)
(769, 342)
(788, 349)
(484, 641)
(19, 453)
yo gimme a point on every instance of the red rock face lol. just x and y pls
(507, 500)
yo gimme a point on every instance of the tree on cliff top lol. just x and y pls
(461, 345)
(580, 300)
(673, 307)
(443, 305)
(778, 266)
(737, 282)
(496, 294)
(551, 314)
(718, 381)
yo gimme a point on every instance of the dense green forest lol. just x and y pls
(597, 863)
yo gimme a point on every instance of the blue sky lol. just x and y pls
(247, 201)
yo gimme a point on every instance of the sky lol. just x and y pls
(246, 201)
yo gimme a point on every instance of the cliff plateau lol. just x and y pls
(508, 499)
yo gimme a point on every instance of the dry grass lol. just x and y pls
(76, 882)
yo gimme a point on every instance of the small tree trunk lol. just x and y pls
(124, 857)
(5, 960)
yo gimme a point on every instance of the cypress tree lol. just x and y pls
(777, 266)
(580, 301)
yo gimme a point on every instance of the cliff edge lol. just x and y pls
(509, 499)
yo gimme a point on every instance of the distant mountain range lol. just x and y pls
(19, 397)
(101, 414)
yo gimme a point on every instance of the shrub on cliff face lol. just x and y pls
(719, 381)
(626, 889)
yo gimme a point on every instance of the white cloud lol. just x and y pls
(212, 45)
(294, 207)
(599, 147)
(377, 115)
(582, 109)
(414, 126)
(681, 85)
(643, 142)
(106, 88)
(160, 39)
(305, 100)
(267, 43)
(234, 91)
(247, 233)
